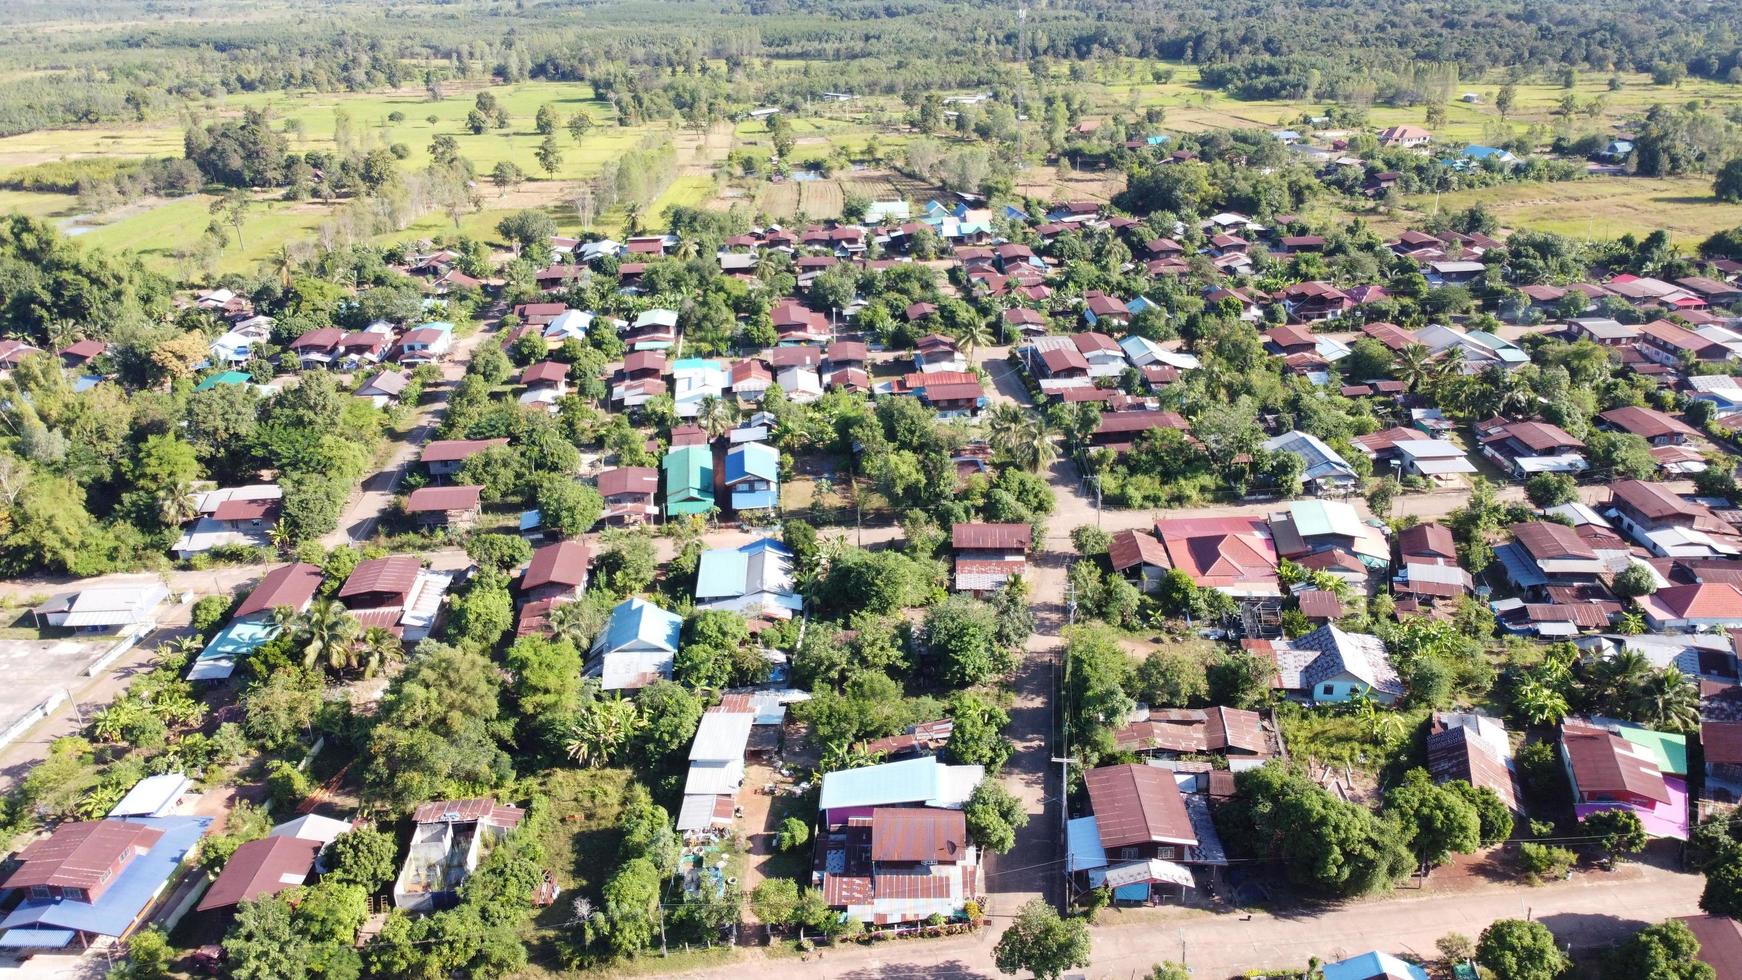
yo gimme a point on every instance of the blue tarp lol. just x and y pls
(235, 641)
(122, 902)
(908, 781)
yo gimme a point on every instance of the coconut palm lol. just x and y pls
(1039, 451)
(1412, 366)
(326, 636)
(973, 335)
(632, 218)
(1666, 700)
(1614, 679)
(377, 648)
(576, 622)
(1006, 427)
(716, 415)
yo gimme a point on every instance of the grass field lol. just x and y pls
(1601, 207)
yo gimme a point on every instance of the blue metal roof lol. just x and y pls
(637, 622)
(1372, 964)
(1083, 844)
(908, 781)
(36, 938)
(752, 461)
(722, 572)
(759, 500)
(124, 900)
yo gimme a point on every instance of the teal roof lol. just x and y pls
(908, 781)
(235, 641)
(1669, 751)
(1315, 517)
(752, 460)
(224, 378)
(689, 480)
(1370, 965)
(637, 623)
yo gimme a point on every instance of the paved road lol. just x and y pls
(1589, 911)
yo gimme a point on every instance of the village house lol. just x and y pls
(1244, 738)
(231, 517)
(1330, 665)
(754, 580)
(91, 881)
(1649, 424)
(104, 609)
(1475, 748)
(1140, 557)
(449, 839)
(1669, 525)
(1524, 449)
(1672, 345)
(893, 844)
(556, 571)
(689, 480)
(258, 869)
(752, 476)
(443, 458)
(989, 555)
(1624, 767)
(636, 647)
(1119, 431)
(1325, 471)
(383, 388)
(1141, 838)
(1231, 554)
(629, 493)
(1404, 137)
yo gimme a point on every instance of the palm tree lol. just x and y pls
(325, 635)
(279, 537)
(1631, 623)
(716, 415)
(1039, 451)
(631, 218)
(1666, 700)
(576, 622)
(973, 335)
(1412, 366)
(181, 647)
(1006, 427)
(1615, 678)
(377, 648)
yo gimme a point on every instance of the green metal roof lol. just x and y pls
(1669, 751)
(689, 480)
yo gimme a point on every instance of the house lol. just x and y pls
(936, 352)
(1144, 836)
(898, 864)
(317, 348)
(255, 621)
(383, 388)
(1544, 553)
(629, 494)
(1404, 137)
(1436, 460)
(1140, 557)
(397, 593)
(1478, 349)
(106, 609)
(261, 868)
(1524, 449)
(1670, 344)
(231, 517)
(1721, 390)
(427, 344)
(652, 330)
(153, 796)
(546, 375)
(288, 586)
(1329, 664)
(989, 555)
(693, 380)
(1119, 431)
(716, 771)
(1475, 748)
(802, 384)
(453, 508)
(1649, 424)
(450, 838)
(1244, 738)
(362, 347)
(1103, 355)
(926, 782)
(1372, 965)
(1624, 768)
(1325, 471)
(1235, 555)
(1602, 331)
(1428, 565)
(556, 571)
(1290, 339)
(750, 379)
(754, 579)
(1691, 608)
(443, 458)
(1669, 525)
(689, 480)
(91, 880)
(1312, 526)
(753, 476)
(1713, 291)
(636, 647)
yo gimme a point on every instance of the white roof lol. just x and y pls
(312, 826)
(721, 736)
(658, 318)
(1429, 449)
(714, 778)
(153, 796)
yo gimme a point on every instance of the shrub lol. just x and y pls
(1540, 861)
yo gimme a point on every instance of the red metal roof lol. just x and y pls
(1136, 804)
(1004, 537)
(454, 450)
(562, 563)
(287, 585)
(1427, 541)
(393, 574)
(482, 809)
(246, 509)
(78, 855)
(1605, 764)
(1722, 740)
(259, 868)
(918, 834)
(627, 480)
(545, 372)
(1131, 548)
(429, 500)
